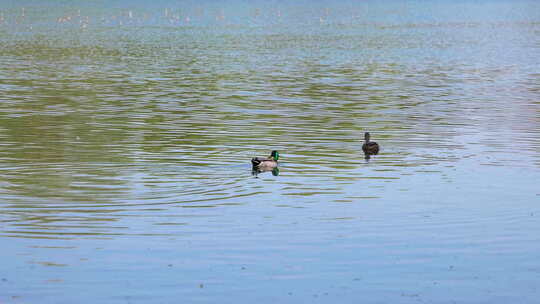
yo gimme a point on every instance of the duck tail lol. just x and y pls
(255, 161)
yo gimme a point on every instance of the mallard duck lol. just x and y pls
(370, 147)
(266, 164)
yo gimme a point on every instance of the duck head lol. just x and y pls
(274, 155)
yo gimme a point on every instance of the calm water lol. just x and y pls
(126, 131)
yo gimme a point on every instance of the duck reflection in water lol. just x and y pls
(262, 164)
(369, 147)
(256, 172)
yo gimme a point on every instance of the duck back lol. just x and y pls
(371, 148)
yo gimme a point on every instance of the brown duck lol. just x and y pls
(370, 147)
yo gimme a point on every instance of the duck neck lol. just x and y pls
(366, 137)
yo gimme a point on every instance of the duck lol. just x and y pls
(370, 147)
(266, 164)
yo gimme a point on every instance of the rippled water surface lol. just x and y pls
(127, 129)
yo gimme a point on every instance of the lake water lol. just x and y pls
(127, 129)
